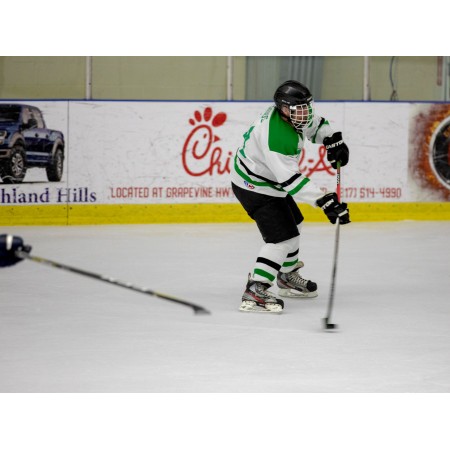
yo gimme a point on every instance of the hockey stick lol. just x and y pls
(326, 321)
(24, 255)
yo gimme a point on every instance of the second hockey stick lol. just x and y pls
(326, 321)
(196, 308)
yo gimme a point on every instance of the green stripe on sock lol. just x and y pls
(264, 274)
(290, 263)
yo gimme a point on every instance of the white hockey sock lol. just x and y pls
(292, 257)
(271, 258)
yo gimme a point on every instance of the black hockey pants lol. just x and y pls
(277, 217)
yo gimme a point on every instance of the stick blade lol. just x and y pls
(201, 310)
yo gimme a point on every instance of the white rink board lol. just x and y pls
(136, 152)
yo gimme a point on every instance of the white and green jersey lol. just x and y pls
(267, 162)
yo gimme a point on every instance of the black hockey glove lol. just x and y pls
(333, 209)
(8, 246)
(337, 150)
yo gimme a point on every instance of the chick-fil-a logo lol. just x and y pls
(201, 154)
(321, 165)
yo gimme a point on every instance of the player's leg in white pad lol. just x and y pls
(290, 282)
(257, 297)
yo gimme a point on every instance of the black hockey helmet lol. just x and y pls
(292, 93)
(297, 97)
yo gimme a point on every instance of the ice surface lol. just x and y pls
(61, 332)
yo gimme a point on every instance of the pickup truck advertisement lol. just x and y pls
(150, 152)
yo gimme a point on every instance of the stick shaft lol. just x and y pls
(338, 182)
(24, 255)
(334, 271)
(336, 248)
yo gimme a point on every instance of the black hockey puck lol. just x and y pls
(329, 326)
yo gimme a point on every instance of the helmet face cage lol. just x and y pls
(301, 115)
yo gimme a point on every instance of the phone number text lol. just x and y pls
(370, 192)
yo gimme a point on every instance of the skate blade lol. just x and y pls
(276, 309)
(292, 293)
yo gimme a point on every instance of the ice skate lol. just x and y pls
(293, 285)
(257, 298)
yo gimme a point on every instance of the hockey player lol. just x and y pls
(265, 178)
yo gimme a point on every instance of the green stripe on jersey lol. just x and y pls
(282, 136)
(247, 178)
(325, 122)
(299, 186)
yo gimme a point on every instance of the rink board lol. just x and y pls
(169, 162)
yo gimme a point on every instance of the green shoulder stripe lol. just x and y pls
(282, 137)
(322, 122)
